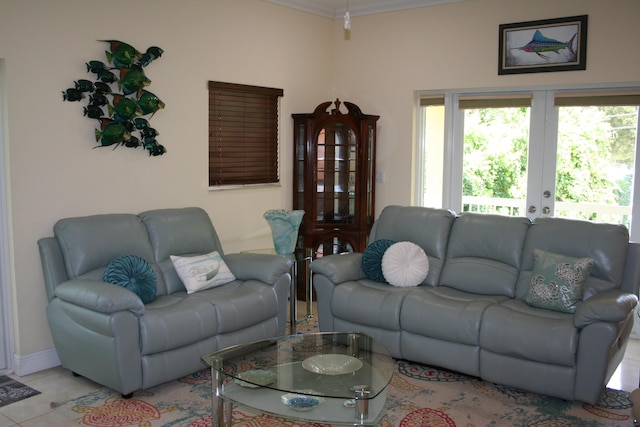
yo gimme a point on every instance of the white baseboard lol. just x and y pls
(34, 362)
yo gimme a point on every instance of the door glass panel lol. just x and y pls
(495, 160)
(595, 162)
(432, 177)
(335, 175)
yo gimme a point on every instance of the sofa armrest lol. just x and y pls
(340, 267)
(609, 306)
(99, 296)
(266, 268)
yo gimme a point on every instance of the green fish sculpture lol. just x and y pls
(110, 133)
(132, 80)
(149, 103)
(152, 53)
(121, 54)
(123, 108)
(119, 84)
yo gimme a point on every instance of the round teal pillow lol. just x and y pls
(132, 273)
(372, 259)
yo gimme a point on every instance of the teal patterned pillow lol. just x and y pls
(557, 281)
(132, 273)
(372, 259)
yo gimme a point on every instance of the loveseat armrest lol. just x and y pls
(266, 268)
(610, 306)
(99, 296)
(340, 267)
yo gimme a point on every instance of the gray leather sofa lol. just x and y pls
(105, 333)
(469, 315)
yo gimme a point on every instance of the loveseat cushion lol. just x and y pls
(173, 321)
(182, 232)
(515, 329)
(240, 304)
(91, 242)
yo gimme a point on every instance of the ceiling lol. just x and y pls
(337, 8)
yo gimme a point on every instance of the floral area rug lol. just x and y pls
(13, 391)
(417, 396)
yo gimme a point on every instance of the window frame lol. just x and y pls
(244, 135)
(453, 124)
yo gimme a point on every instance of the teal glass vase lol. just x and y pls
(284, 228)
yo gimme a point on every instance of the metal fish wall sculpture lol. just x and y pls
(120, 87)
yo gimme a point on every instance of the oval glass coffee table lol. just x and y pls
(330, 378)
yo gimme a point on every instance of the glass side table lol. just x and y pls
(337, 378)
(301, 256)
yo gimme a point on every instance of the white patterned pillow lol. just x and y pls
(405, 264)
(202, 272)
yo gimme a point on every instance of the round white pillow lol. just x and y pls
(405, 264)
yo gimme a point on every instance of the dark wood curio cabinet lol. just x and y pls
(334, 177)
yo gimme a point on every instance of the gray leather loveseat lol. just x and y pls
(470, 315)
(104, 332)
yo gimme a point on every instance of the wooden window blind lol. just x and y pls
(243, 134)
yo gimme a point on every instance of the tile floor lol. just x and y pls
(59, 385)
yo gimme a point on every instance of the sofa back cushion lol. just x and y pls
(484, 254)
(606, 244)
(180, 232)
(428, 228)
(90, 243)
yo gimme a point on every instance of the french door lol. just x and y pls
(534, 153)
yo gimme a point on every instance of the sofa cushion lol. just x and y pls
(405, 265)
(369, 303)
(372, 259)
(606, 244)
(202, 271)
(428, 228)
(446, 314)
(557, 281)
(484, 254)
(133, 273)
(514, 328)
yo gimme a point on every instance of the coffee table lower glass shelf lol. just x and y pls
(330, 378)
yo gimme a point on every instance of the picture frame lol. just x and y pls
(558, 44)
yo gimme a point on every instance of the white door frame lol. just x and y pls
(6, 335)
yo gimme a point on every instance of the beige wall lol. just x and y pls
(54, 172)
(389, 56)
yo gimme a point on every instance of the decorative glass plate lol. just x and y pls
(301, 402)
(256, 378)
(332, 364)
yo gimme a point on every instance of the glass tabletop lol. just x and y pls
(328, 365)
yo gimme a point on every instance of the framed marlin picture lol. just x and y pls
(539, 46)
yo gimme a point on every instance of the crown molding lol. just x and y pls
(336, 9)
